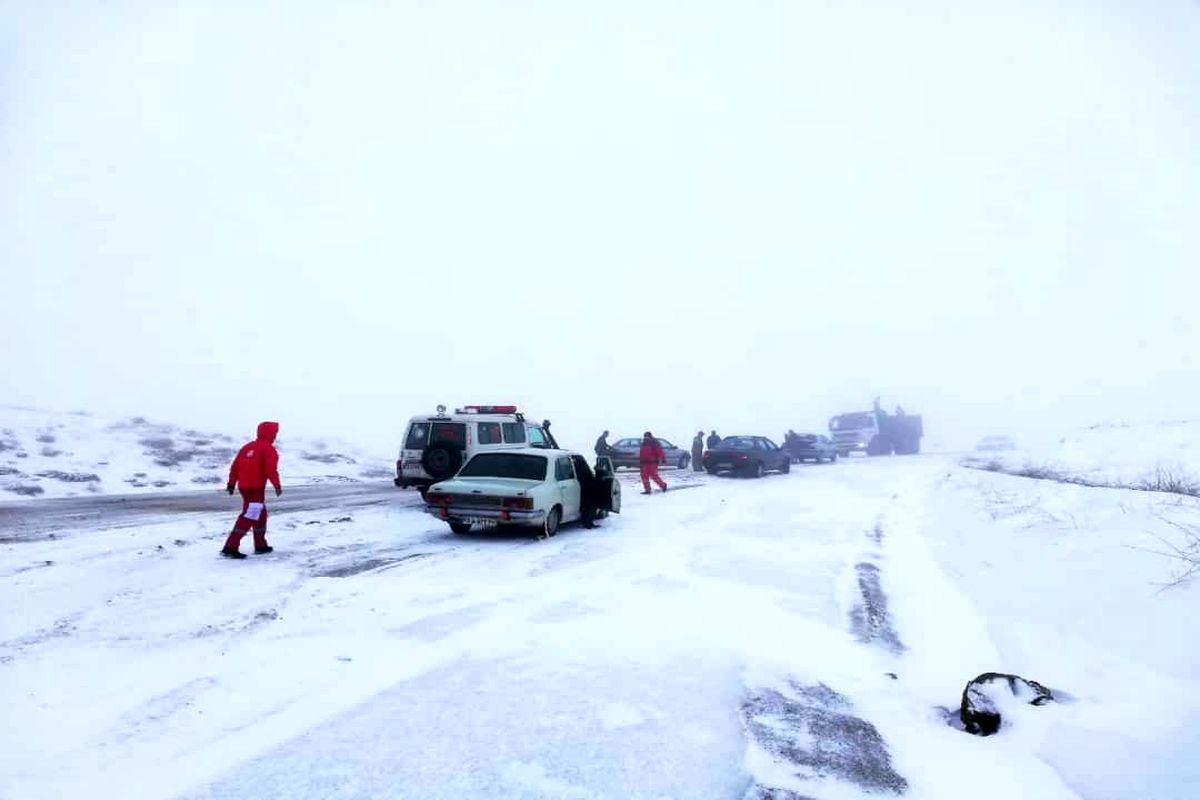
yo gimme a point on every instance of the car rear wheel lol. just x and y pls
(759, 470)
(550, 525)
(786, 467)
(460, 527)
(683, 462)
(711, 470)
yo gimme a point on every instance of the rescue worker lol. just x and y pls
(698, 452)
(650, 456)
(256, 464)
(603, 448)
(714, 441)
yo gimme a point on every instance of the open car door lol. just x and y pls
(610, 487)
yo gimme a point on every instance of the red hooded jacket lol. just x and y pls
(651, 452)
(257, 462)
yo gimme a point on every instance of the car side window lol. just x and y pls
(665, 445)
(536, 438)
(563, 471)
(514, 433)
(489, 433)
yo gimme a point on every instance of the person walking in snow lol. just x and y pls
(256, 464)
(603, 448)
(650, 456)
(698, 452)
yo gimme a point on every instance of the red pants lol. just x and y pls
(650, 473)
(253, 516)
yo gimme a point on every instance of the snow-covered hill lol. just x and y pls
(47, 454)
(1110, 454)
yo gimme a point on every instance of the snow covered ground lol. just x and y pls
(790, 637)
(46, 454)
(1121, 454)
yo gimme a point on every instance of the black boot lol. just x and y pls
(232, 553)
(258, 551)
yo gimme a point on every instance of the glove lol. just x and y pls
(278, 491)
(229, 488)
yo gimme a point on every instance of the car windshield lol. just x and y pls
(628, 443)
(738, 443)
(849, 422)
(505, 465)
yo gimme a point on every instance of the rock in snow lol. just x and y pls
(984, 698)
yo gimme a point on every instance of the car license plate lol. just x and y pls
(724, 463)
(484, 521)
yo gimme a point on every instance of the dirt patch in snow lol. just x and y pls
(869, 619)
(812, 730)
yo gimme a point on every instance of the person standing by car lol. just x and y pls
(254, 465)
(698, 452)
(603, 448)
(714, 441)
(650, 456)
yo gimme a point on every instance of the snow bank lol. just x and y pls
(44, 454)
(1072, 585)
(1112, 454)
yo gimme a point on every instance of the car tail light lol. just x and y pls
(741, 458)
(518, 503)
(438, 499)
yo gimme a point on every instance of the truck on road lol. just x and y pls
(877, 433)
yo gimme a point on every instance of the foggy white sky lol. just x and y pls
(648, 215)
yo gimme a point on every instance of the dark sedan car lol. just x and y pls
(811, 446)
(626, 453)
(747, 455)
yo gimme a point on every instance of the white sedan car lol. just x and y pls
(535, 488)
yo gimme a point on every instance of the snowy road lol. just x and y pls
(37, 519)
(743, 638)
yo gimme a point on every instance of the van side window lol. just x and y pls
(489, 433)
(514, 433)
(563, 471)
(418, 436)
(536, 438)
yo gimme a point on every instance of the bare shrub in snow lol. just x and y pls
(1185, 553)
(1173, 480)
(1041, 472)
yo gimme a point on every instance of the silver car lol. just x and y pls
(627, 453)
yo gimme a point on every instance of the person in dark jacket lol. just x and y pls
(650, 456)
(256, 464)
(603, 448)
(698, 452)
(714, 441)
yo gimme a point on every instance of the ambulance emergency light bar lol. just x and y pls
(487, 410)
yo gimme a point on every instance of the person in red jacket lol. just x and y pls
(649, 457)
(254, 465)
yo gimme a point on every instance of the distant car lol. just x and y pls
(532, 488)
(991, 444)
(626, 453)
(812, 446)
(747, 455)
